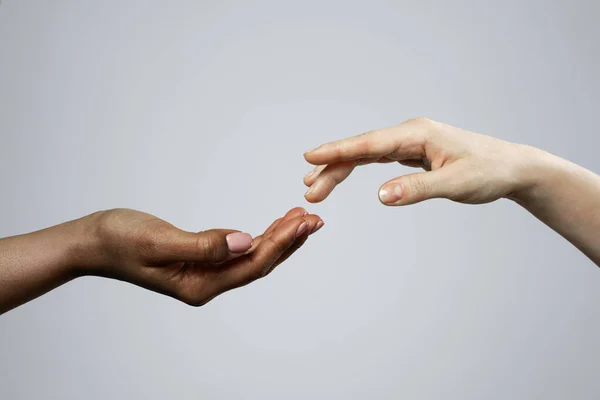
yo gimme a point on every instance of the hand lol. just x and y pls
(192, 267)
(460, 165)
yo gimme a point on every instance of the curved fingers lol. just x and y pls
(293, 213)
(314, 223)
(273, 249)
(328, 179)
(336, 160)
(256, 265)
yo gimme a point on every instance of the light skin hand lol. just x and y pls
(460, 165)
(144, 250)
(469, 168)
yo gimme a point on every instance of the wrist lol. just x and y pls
(537, 170)
(85, 247)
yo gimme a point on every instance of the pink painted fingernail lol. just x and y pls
(391, 195)
(302, 228)
(318, 226)
(238, 242)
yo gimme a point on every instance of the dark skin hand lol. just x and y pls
(144, 250)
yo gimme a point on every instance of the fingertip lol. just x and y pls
(312, 194)
(312, 157)
(391, 194)
(295, 212)
(317, 227)
(311, 199)
(311, 151)
(315, 223)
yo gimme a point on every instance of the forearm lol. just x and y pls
(566, 197)
(35, 263)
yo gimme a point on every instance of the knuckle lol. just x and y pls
(266, 270)
(284, 245)
(331, 180)
(261, 268)
(256, 271)
(426, 125)
(365, 147)
(363, 140)
(420, 121)
(195, 302)
(336, 149)
(417, 187)
(261, 272)
(198, 302)
(206, 246)
(278, 246)
(193, 298)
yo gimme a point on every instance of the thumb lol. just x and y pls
(414, 188)
(212, 246)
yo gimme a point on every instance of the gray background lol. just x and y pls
(199, 112)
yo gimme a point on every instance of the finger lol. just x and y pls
(293, 213)
(273, 226)
(209, 247)
(328, 179)
(256, 241)
(368, 145)
(310, 178)
(323, 183)
(256, 265)
(406, 139)
(315, 223)
(414, 188)
(319, 223)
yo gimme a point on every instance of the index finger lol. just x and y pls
(404, 140)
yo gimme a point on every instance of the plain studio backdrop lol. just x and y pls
(199, 112)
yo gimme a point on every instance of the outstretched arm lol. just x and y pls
(33, 264)
(469, 168)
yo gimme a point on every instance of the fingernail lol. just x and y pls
(311, 173)
(310, 151)
(318, 226)
(309, 191)
(238, 242)
(391, 196)
(305, 213)
(302, 228)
